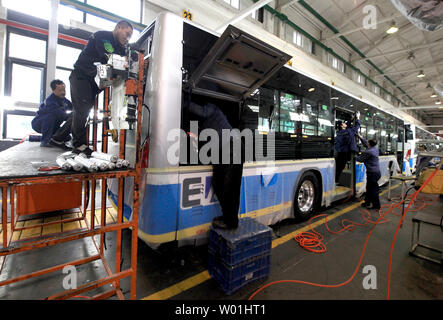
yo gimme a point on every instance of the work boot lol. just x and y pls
(83, 149)
(58, 144)
(219, 223)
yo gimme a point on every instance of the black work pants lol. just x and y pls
(83, 93)
(226, 180)
(62, 134)
(372, 189)
(340, 163)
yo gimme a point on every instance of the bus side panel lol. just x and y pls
(158, 219)
(385, 162)
(267, 195)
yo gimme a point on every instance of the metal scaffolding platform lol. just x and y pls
(18, 168)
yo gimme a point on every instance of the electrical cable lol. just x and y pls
(311, 241)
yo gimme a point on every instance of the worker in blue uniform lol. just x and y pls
(83, 87)
(227, 177)
(345, 144)
(371, 160)
(55, 110)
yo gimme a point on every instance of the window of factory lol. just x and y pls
(233, 3)
(131, 9)
(258, 15)
(336, 63)
(297, 39)
(26, 48)
(42, 9)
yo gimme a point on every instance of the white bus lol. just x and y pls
(256, 90)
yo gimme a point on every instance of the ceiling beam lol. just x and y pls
(423, 46)
(357, 11)
(385, 37)
(422, 107)
(438, 64)
(281, 4)
(344, 33)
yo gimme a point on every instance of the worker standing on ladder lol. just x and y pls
(345, 144)
(83, 87)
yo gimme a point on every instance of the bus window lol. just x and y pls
(309, 118)
(267, 113)
(288, 112)
(392, 137)
(325, 121)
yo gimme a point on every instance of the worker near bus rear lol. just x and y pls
(227, 177)
(83, 87)
(371, 160)
(51, 114)
(345, 144)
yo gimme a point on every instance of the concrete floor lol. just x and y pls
(166, 271)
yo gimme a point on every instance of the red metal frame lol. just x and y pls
(9, 247)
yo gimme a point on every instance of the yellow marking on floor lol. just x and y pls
(180, 287)
(17, 234)
(70, 226)
(53, 228)
(204, 276)
(34, 232)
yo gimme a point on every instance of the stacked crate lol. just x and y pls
(238, 257)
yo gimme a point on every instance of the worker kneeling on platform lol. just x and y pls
(371, 160)
(55, 110)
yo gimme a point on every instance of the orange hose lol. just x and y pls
(312, 241)
(401, 223)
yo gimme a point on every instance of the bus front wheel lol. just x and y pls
(306, 196)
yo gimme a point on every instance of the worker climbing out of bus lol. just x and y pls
(53, 112)
(371, 160)
(345, 144)
(227, 177)
(83, 87)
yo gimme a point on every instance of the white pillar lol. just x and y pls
(2, 62)
(52, 46)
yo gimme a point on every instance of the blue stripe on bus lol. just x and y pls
(159, 209)
(162, 202)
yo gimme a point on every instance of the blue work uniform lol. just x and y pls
(50, 115)
(371, 160)
(344, 144)
(345, 139)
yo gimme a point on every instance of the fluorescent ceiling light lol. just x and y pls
(434, 95)
(311, 90)
(438, 102)
(421, 74)
(392, 29)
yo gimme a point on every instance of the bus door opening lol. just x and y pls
(347, 178)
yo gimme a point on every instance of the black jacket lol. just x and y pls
(98, 49)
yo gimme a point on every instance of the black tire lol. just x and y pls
(307, 197)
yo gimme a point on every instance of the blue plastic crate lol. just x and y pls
(250, 239)
(232, 278)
